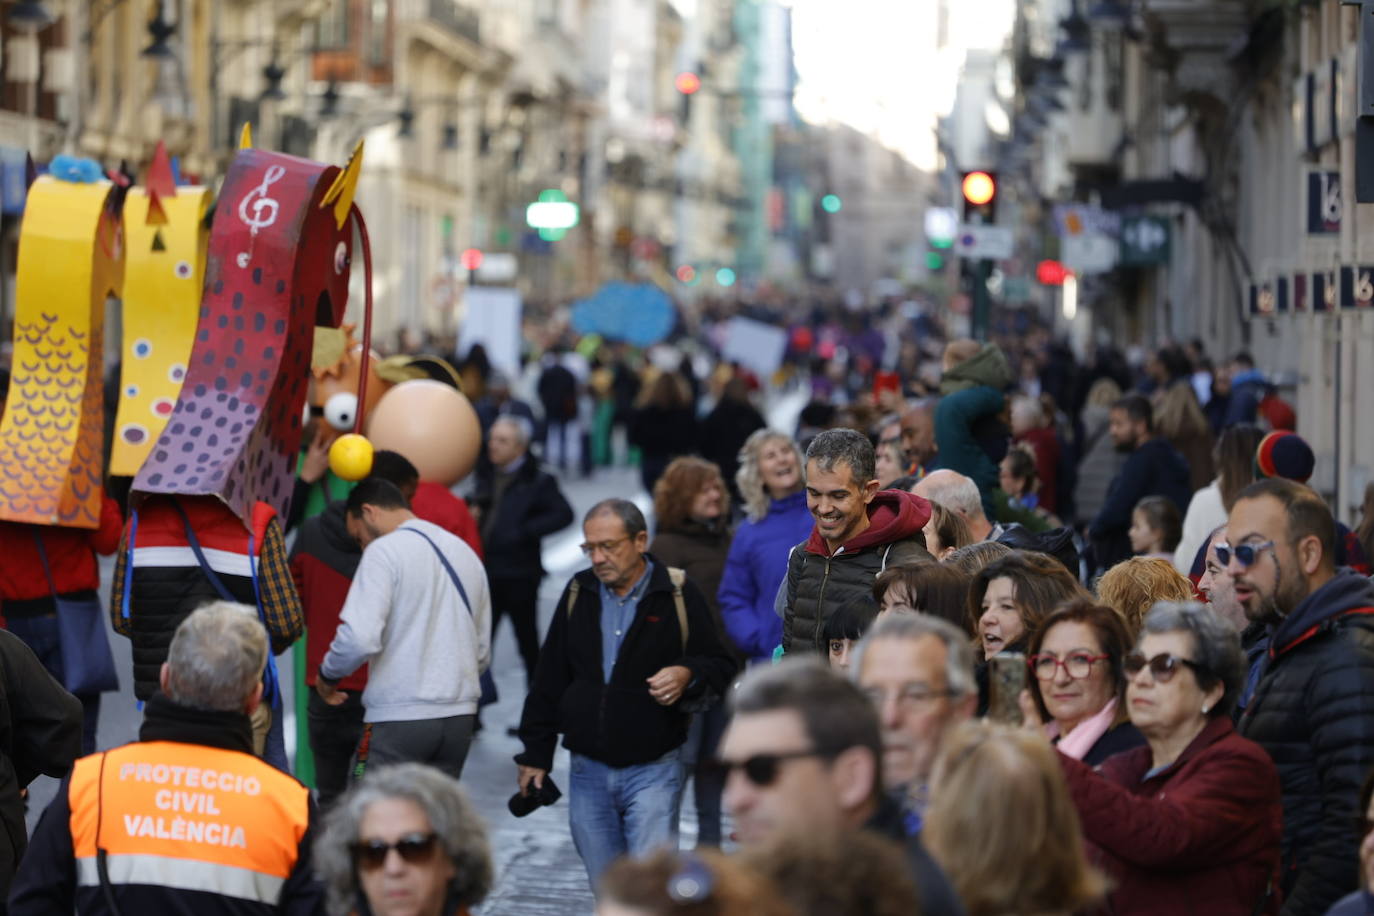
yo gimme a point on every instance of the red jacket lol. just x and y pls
(1200, 838)
(323, 561)
(1045, 444)
(71, 554)
(436, 504)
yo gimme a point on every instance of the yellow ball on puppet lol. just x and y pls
(350, 457)
(432, 425)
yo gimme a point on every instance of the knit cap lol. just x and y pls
(1284, 454)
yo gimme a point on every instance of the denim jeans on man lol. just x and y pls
(618, 810)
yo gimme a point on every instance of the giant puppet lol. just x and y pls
(208, 500)
(166, 231)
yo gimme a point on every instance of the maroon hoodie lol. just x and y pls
(894, 515)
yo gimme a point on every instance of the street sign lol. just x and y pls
(1357, 287)
(941, 225)
(985, 242)
(497, 268)
(1088, 254)
(1145, 241)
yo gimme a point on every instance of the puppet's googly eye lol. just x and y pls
(341, 410)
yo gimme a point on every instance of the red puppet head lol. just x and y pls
(280, 251)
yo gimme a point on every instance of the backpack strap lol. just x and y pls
(677, 577)
(573, 589)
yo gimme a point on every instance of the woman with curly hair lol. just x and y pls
(690, 504)
(776, 520)
(404, 840)
(1133, 586)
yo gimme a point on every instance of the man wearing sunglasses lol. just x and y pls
(613, 675)
(803, 756)
(1310, 698)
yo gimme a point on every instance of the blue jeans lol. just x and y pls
(614, 811)
(42, 635)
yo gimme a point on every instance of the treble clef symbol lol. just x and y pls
(263, 209)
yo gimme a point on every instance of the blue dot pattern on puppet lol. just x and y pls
(131, 391)
(143, 348)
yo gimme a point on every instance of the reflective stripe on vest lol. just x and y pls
(187, 816)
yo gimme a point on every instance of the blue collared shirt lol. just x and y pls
(617, 615)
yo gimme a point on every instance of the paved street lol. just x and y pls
(538, 871)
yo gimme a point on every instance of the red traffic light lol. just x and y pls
(686, 273)
(687, 82)
(1051, 273)
(979, 188)
(471, 258)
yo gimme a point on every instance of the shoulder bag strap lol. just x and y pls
(574, 588)
(677, 577)
(448, 567)
(194, 542)
(43, 558)
(129, 564)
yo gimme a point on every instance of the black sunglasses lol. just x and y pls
(414, 848)
(761, 769)
(1163, 666)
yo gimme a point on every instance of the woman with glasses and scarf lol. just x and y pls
(405, 840)
(1190, 822)
(1078, 681)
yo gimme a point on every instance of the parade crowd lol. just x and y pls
(993, 630)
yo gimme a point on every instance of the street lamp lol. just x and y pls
(161, 30)
(329, 99)
(29, 16)
(274, 73)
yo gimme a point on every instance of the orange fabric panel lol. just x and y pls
(188, 801)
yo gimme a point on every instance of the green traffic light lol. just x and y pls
(831, 203)
(934, 261)
(725, 277)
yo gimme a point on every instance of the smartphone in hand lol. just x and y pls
(1006, 680)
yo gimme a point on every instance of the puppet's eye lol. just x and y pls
(341, 410)
(340, 258)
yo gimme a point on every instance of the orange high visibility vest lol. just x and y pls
(187, 816)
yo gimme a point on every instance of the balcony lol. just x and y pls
(458, 18)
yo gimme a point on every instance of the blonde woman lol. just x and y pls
(1133, 586)
(1002, 825)
(770, 482)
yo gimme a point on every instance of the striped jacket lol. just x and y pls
(168, 584)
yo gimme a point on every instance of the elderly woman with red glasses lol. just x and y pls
(1190, 822)
(404, 842)
(1078, 681)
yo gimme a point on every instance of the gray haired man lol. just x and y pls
(918, 672)
(186, 818)
(860, 531)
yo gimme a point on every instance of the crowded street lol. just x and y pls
(686, 457)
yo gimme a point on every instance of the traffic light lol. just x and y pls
(980, 197)
(687, 84)
(831, 203)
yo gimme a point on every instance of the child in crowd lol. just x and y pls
(1155, 528)
(845, 627)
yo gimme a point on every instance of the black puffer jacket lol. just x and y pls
(819, 582)
(1313, 711)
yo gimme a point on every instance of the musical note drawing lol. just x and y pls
(264, 210)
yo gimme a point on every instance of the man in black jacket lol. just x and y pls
(631, 641)
(517, 505)
(1314, 687)
(1154, 468)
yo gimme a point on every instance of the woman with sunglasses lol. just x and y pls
(407, 841)
(1078, 681)
(1189, 823)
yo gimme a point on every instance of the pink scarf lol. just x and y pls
(1078, 742)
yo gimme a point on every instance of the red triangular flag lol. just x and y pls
(160, 179)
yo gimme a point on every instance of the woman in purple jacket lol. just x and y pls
(770, 480)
